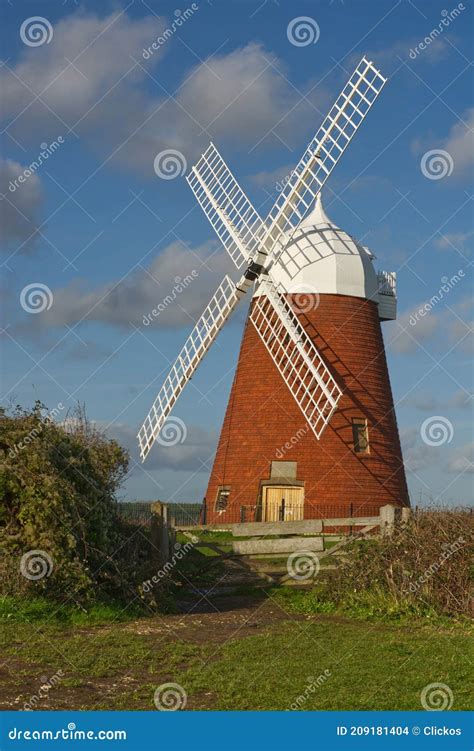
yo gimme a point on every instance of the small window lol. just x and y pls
(222, 498)
(360, 435)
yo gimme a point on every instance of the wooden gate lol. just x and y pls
(282, 503)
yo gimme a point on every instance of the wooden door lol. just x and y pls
(282, 503)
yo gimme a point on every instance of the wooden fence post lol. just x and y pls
(160, 532)
(389, 516)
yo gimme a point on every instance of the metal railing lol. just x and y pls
(387, 283)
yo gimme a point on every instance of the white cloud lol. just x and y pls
(459, 143)
(20, 207)
(177, 284)
(419, 326)
(429, 402)
(193, 455)
(462, 459)
(236, 97)
(460, 240)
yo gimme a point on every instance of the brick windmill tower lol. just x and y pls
(310, 428)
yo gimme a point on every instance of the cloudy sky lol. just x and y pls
(96, 237)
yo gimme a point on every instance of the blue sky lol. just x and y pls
(107, 237)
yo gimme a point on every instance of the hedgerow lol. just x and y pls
(61, 536)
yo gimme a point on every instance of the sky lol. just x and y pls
(105, 228)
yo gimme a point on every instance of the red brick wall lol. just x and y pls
(262, 417)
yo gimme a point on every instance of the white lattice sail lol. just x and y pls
(198, 342)
(296, 357)
(322, 154)
(225, 204)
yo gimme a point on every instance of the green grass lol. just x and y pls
(372, 665)
(370, 668)
(370, 605)
(41, 610)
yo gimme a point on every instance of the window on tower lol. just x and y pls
(222, 497)
(360, 435)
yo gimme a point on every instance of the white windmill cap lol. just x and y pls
(320, 255)
(317, 215)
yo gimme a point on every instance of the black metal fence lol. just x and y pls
(180, 514)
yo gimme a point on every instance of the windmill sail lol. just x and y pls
(296, 357)
(197, 344)
(228, 209)
(322, 154)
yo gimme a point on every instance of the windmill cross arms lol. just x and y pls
(228, 209)
(296, 357)
(322, 154)
(197, 344)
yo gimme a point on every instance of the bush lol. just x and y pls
(60, 531)
(424, 567)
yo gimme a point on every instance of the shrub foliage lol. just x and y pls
(425, 565)
(58, 484)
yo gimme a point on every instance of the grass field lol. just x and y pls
(248, 654)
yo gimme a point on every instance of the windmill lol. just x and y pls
(275, 253)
